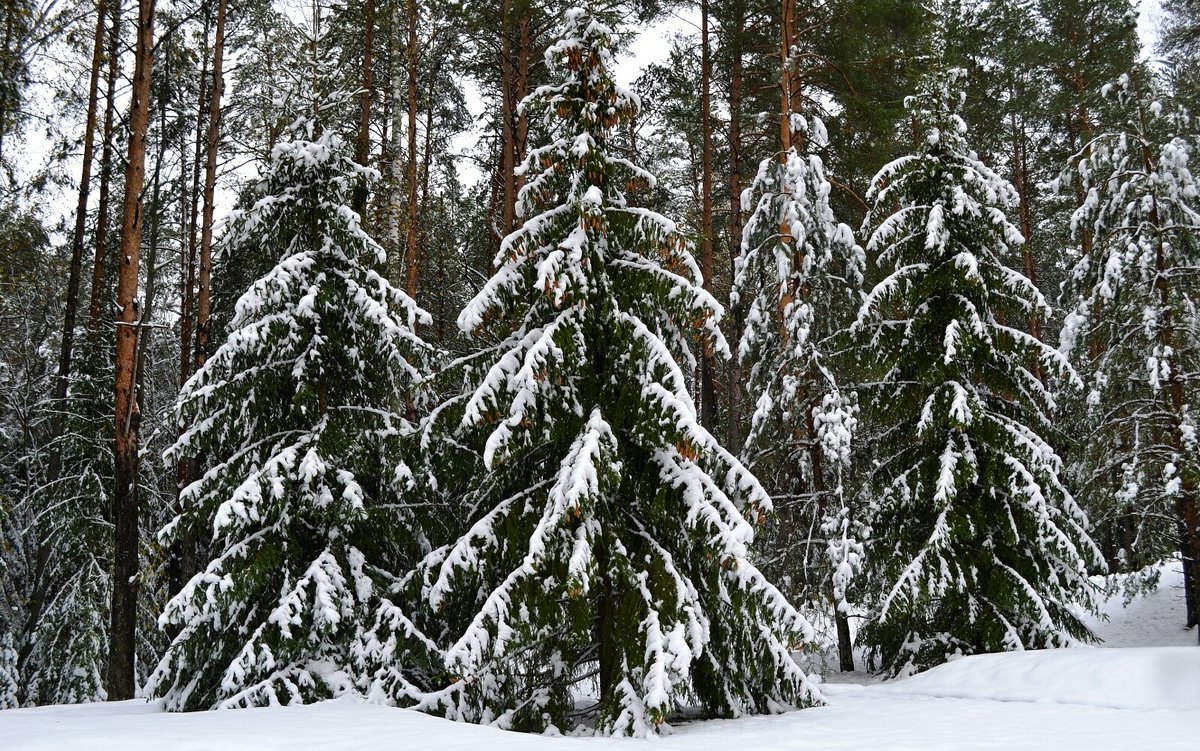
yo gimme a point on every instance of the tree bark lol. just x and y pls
(736, 76)
(123, 613)
(708, 396)
(505, 179)
(1083, 126)
(521, 126)
(204, 298)
(787, 28)
(410, 246)
(155, 221)
(395, 199)
(514, 84)
(181, 557)
(67, 342)
(363, 150)
(106, 154)
(1025, 215)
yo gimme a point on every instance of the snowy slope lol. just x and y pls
(1152, 620)
(1135, 678)
(1093, 698)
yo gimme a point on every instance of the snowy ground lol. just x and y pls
(1132, 693)
(1153, 620)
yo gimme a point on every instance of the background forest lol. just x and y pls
(926, 269)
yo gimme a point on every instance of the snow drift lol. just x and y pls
(1145, 678)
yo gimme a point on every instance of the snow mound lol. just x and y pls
(1132, 678)
(345, 724)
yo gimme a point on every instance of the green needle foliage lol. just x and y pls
(978, 546)
(608, 549)
(297, 413)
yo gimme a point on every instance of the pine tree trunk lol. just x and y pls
(845, 644)
(410, 247)
(396, 161)
(123, 613)
(736, 73)
(786, 30)
(495, 199)
(145, 335)
(181, 557)
(363, 149)
(1083, 123)
(508, 136)
(67, 341)
(708, 396)
(514, 71)
(204, 298)
(106, 155)
(607, 652)
(426, 160)
(1025, 214)
(522, 121)
(384, 99)
(10, 20)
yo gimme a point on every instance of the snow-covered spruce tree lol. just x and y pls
(1134, 326)
(800, 276)
(978, 546)
(609, 539)
(297, 413)
(68, 647)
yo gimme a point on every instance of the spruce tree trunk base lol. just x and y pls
(1191, 598)
(708, 394)
(1189, 545)
(845, 646)
(606, 647)
(123, 617)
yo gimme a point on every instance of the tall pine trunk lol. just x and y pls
(123, 613)
(410, 245)
(708, 394)
(505, 180)
(514, 66)
(145, 328)
(395, 161)
(181, 558)
(1020, 166)
(106, 157)
(363, 147)
(70, 312)
(736, 222)
(204, 297)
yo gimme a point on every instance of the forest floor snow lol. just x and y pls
(1140, 689)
